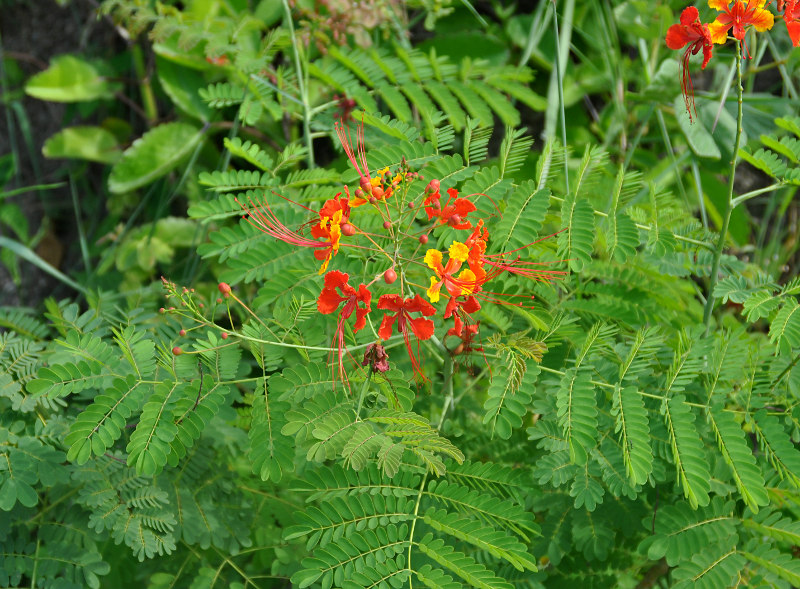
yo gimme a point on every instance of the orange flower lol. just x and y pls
(738, 17)
(693, 35)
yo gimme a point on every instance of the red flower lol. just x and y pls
(402, 308)
(454, 212)
(697, 36)
(792, 19)
(738, 17)
(354, 300)
(329, 300)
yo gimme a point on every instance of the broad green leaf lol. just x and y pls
(153, 155)
(698, 137)
(85, 143)
(69, 79)
(182, 85)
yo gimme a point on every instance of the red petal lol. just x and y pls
(677, 37)
(419, 305)
(336, 278)
(390, 302)
(794, 32)
(364, 295)
(385, 330)
(328, 301)
(422, 328)
(471, 305)
(689, 15)
(361, 319)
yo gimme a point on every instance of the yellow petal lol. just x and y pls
(721, 5)
(433, 258)
(433, 290)
(458, 251)
(719, 32)
(467, 282)
(763, 20)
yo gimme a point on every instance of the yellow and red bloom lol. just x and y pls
(333, 214)
(453, 213)
(738, 17)
(695, 36)
(445, 277)
(791, 17)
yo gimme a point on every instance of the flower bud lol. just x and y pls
(162, 310)
(433, 186)
(389, 276)
(224, 335)
(377, 192)
(454, 219)
(372, 200)
(387, 224)
(176, 351)
(182, 332)
(423, 239)
(224, 288)
(348, 230)
(366, 185)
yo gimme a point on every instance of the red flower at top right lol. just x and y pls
(791, 17)
(738, 16)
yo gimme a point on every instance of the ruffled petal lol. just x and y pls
(677, 37)
(385, 330)
(689, 15)
(719, 5)
(422, 328)
(433, 258)
(390, 302)
(762, 20)
(719, 32)
(419, 305)
(361, 319)
(433, 290)
(328, 301)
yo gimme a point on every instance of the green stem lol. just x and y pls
(363, 393)
(748, 195)
(726, 219)
(302, 86)
(560, 88)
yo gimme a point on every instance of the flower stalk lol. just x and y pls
(729, 202)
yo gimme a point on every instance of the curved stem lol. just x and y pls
(726, 218)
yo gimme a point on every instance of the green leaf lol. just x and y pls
(575, 241)
(522, 218)
(182, 85)
(688, 452)
(271, 453)
(698, 137)
(69, 79)
(85, 143)
(786, 325)
(634, 433)
(577, 413)
(786, 566)
(153, 155)
(474, 573)
(711, 568)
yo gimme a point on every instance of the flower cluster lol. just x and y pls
(409, 282)
(736, 18)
